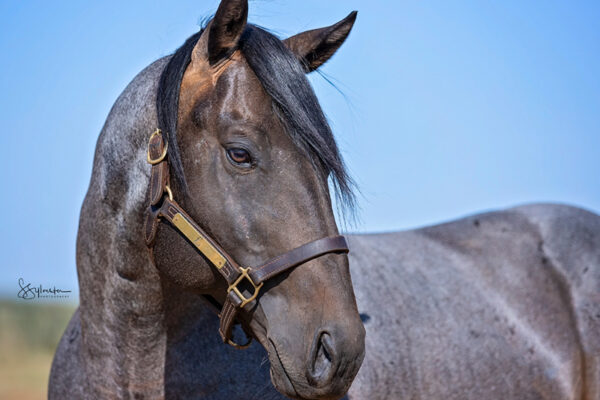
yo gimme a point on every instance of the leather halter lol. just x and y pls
(162, 205)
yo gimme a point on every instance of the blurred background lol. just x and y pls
(442, 109)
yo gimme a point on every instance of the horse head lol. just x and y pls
(250, 163)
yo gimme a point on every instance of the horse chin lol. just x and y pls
(279, 375)
(284, 380)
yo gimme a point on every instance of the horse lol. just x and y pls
(502, 305)
(239, 174)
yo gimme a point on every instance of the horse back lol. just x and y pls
(489, 306)
(571, 241)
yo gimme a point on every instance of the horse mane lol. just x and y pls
(284, 79)
(167, 102)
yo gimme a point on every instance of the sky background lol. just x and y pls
(448, 108)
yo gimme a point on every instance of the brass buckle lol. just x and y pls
(162, 156)
(233, 287)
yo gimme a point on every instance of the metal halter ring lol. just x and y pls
(162, 156)
(169, 193)
(239, 346)
(233, 287)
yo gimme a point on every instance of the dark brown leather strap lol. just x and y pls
(226, 266)
(274, 267)
(162, 205)
(159, 180)
(227, 317)
(300, 255)
(150, 226)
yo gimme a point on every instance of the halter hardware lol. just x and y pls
(149, 158)
(169, 192)
(233, 287)
(162, 206)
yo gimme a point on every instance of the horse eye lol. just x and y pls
(239, 156)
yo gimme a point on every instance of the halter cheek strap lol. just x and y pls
(163, 206)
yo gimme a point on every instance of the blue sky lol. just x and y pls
(449, 108)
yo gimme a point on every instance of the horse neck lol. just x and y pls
(121, 298)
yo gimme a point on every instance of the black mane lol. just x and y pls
(284, 79)
(167, 102)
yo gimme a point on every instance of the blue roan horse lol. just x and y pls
(503, 305)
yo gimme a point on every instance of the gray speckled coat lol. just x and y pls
(503, 305)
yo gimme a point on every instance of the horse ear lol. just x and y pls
(226, 29)
(313, 48)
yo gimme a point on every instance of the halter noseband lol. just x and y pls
(163, 205)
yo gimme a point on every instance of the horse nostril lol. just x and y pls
(322, 361)
(323, 350)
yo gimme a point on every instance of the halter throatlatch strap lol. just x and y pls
(162, 205)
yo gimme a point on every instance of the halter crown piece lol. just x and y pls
(163, 206)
